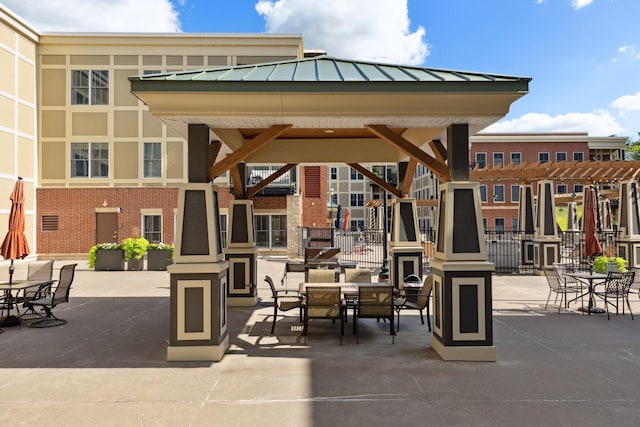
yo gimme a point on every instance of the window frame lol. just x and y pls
(91, 161)
(94, 78)
(152, 161)
(495, 193)
(500, 155)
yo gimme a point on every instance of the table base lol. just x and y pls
(594, 310)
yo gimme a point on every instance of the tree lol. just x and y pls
(633, 148)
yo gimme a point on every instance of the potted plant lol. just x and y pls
(106, 257)
(604, 264)
(134, 249)
(159, 256)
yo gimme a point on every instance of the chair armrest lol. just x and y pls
(43, 290)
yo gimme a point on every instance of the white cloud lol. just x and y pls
(598, 123)
(627, 103)
(579, 4)
(375, 30)
(98, 15)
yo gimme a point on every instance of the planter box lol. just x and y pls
(135, 264)
(158, 260)
(112, 260)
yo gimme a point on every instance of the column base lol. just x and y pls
(209, 353)
(234, 301)
(464, 353)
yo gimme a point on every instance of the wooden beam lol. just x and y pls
(408, 177)
(249, 148)
(214, 150)
(439, 169)
(236, 180)
(438, 150)
(268, 180)
(375, 178)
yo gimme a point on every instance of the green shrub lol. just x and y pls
(134, 247)
(161, 247)
(102, 246)
(600, 263)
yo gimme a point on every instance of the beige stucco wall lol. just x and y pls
(18, 103)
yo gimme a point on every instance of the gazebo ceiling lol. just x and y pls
(325, 110)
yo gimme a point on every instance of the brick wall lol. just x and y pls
(314, 209)
(75, 208)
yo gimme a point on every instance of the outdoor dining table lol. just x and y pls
(12, 292)
(349, 290)
(589, 277)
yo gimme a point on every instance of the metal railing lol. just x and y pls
(510, 251)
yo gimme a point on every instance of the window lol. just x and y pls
(334, 172)
(271, 230)
(355, 175)
(578, 188)
(514, 223)
(515, 193)
(516, 158)
(498, 159)
(561, 189)
(223, 229)
(89, 160)
(483, 193)
(481, 160)
(499, 225)
(152, 159)
(485, 224)
(578, 156)
(543, 157)
(561, 157)
(357, 199)
(89, 87)
(152, 228)
(498, 193)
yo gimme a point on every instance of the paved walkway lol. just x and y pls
(107, 366)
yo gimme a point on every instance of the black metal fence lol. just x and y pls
(510, 251)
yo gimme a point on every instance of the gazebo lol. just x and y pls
(324, 110)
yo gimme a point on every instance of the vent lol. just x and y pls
(49, 222)
(312, 181)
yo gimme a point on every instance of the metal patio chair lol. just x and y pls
(375, 302)
(283, 302)
(323, 303)
(51, 298)
(561, 288)
(616, 287)
(416, 301)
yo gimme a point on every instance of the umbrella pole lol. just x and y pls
(11, 269)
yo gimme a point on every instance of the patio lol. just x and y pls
(107, 365)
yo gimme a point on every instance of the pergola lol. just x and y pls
(321, 111)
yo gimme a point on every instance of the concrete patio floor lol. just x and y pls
(107, 366)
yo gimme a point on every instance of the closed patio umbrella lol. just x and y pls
(15, 244)
(592, 245)
(347, 217)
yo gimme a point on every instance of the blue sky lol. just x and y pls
(583, 55)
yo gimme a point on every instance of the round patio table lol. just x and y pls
(588, 278)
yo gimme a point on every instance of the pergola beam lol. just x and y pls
(249, 148)
(384, 133)
(375, 178)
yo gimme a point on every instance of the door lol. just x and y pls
(106, 227)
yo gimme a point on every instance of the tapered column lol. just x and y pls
(526, 224)
(463, 322)
(241, 252)
(628, 243)
(405, 248)
(546, 249)
(198, 282)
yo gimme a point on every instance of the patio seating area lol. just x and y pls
(108, 362)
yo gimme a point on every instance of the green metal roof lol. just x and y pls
(327, 74)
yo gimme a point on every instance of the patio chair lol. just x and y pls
(635, 286)
(413, 301)
(37, 271)
(283, 302)
(561, 288)
(361, 275)
(375, 302)
(321, 275)
(49, 299)
(323, 303)
(616, 287)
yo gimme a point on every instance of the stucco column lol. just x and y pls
(463, 322)
(628, 244)
(241, 252)
(198, 284)
(546, 242)
(526, 223)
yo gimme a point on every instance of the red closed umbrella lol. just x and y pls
(592, 245)
(15, 244)
(347, 216)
